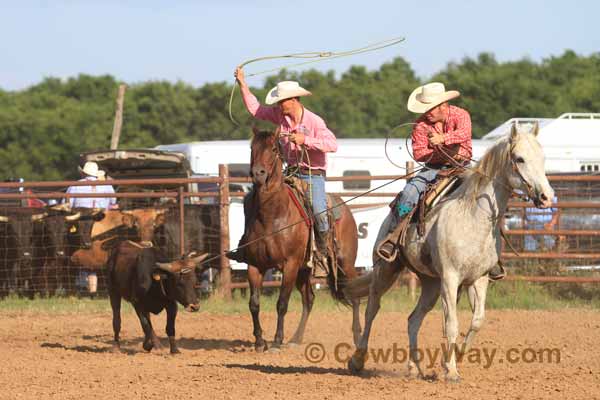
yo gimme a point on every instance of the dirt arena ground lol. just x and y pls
(68, 357)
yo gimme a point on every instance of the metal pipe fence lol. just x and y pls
(31, 263)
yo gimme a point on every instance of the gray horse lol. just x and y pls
(460, 245)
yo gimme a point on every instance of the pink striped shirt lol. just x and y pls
(457, 137)
(318, 139)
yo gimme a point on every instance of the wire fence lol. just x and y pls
(38, 238)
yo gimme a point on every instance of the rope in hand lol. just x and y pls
(315, 56)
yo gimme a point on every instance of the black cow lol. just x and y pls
(20, 249)
(150, 286)
(57, 233)
(8, 256)
(62, 231)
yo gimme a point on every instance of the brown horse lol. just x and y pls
(276, 236)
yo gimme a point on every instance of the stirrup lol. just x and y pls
(499, 276)
(387, 257)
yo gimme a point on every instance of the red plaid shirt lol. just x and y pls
(457, 137)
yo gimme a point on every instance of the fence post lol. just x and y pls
(225, 268)
(116, 134)
(181, 223)
(412, 278)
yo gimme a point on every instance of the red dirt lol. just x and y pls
(68, 357)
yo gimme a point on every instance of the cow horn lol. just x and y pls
(199, 259)
(165, 266)
(3, 218)
(61, 207)
(73, 217)
(37, 217)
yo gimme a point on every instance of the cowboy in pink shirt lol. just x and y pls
(299, 127)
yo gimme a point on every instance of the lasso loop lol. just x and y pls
(318, 56)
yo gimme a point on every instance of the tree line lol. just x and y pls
(44, 128)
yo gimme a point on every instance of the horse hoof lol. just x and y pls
(274, 349)
(452, 379)
(148, 346)
(354, 366)
(261, 347)
(116, 349)
(412, 374)
(175, 351)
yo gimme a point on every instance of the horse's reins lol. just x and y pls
(515, 168)
(302, 221)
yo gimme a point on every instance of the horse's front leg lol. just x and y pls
(255, 279)
(430, 292)
(290, 273)
(449, 289)
(308, 298)
(477, 293)
(382, 278)
(356, 321)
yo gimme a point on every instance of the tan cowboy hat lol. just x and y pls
(90, 169)
(425, 97)
(285, 90)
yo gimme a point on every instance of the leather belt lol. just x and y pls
(436, 166)
(442, 166)
(312, 171)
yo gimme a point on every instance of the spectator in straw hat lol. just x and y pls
(300, 129)
(91, 172)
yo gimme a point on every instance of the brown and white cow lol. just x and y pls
(114, 227)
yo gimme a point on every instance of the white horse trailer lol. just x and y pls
(571, 144)
(355, 157)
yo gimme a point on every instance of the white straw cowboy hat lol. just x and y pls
(425, 97)
(285, 90)
(90, 169)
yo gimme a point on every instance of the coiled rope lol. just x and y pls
(315, 57)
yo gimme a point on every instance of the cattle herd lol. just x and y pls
(40, 247)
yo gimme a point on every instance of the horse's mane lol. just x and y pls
(492, 163)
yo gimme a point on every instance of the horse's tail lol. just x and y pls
(337, 288)
(358, 287)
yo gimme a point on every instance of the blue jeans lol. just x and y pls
(316, 184)
(532, 243)
(413, 189)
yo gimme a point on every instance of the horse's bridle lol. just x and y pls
(516, 170)
(276, 149)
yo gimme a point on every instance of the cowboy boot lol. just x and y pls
(238, 253)
(388, 249)
(322, 239)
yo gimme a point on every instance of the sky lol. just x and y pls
(202, 41)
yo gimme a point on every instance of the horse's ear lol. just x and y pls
(513, 132)
(536, 128)
(255, 130)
